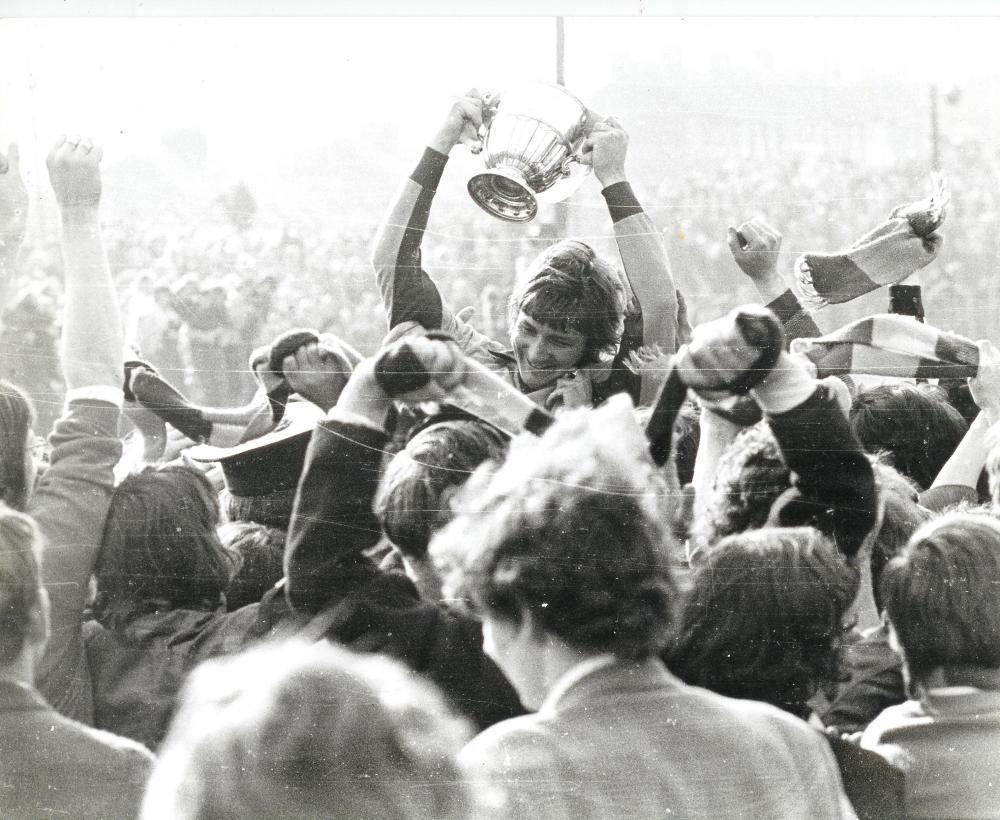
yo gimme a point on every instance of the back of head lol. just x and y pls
(160, 543)
(412, 500)
(764, 617)
(572, 531)
(308, 731)
(261, 552)
(941, 594)
(569, 287)
(16, 419)
(919, 430)
(20, 584)
(901, 516)
(750, 476)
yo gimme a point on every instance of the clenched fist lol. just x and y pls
(75, 173)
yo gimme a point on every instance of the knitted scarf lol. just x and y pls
(890, 345)
(886, 255)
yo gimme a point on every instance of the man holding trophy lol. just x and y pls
(572, 341)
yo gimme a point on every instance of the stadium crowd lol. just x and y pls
(305, 538)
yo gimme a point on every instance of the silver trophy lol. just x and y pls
(531, 138)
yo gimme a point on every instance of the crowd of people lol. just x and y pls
(570, 557)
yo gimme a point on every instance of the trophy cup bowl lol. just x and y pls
(531, 138)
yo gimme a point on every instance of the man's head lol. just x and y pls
(567, 313)
(412, 500)
(918, 430)
(764, 617)
(17, 468)
(565, 544)
(23, 604)
(941, 595)
(160, 543)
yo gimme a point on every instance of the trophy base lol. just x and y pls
(504, 193)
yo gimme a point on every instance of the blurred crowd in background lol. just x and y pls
(198, 298)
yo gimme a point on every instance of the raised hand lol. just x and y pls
(733, 353)
(755, 246)
(13, 198)
(574, 389)
(420, 368)
(605, 148)
(414, 369)
(74, 171)
(462, 124)
(318, 371)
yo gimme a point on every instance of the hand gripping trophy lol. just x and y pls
(531, 140)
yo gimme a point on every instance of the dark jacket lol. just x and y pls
(363, 606)
(138, 663)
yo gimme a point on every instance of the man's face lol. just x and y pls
(542, 353)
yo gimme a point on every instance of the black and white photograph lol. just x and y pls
(543, 411)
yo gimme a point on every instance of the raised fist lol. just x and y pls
(731, 354)
(755, 246)
(462, 123)
(420, 368)
(75, 173)
(605, 149)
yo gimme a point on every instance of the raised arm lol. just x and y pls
(755, 247)
(958, 478)
(92, 336)
(833, 486)
(642, 251)
(13, 217)
(409, 295)
(332, 520)
(72, 498)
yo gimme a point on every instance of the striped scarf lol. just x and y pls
(886, 255)
(890, 345)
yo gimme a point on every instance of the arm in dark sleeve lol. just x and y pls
(833, 485)
(332, 520)
(408, 293)
(795, 319)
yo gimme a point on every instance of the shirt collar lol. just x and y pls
(574, 675)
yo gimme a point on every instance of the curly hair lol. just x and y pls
(572, 532)
(569, 287)
(751, 475)
(764, 617)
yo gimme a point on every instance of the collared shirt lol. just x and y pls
(572, 675)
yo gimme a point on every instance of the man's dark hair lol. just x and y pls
(918, 430)
(411, 502)
(569, 287)
(160, 543)
(571, 532)
(763, 619)
(941, 594)
(261, 552)
(20, 585)
(16, 418)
